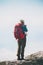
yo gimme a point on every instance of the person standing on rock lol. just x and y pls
(20, 31)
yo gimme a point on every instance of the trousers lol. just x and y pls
(21, 47)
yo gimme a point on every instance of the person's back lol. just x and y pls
(18, 31)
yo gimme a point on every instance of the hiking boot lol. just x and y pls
(18, 58)
(22, 58)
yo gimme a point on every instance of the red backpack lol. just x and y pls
(18, 32)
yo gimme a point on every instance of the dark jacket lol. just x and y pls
(24, 28)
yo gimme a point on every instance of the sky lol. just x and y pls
(11, 12)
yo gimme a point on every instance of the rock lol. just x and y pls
(33, 59)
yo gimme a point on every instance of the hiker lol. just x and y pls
(20, 34)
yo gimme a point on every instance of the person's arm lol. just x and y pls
(26, 29)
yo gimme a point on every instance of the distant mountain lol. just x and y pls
(33, 59)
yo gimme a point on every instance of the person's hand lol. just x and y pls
(17, 39)
(25, 33)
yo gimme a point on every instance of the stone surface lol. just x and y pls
(33, 59)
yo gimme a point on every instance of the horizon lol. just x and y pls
(11, 12)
